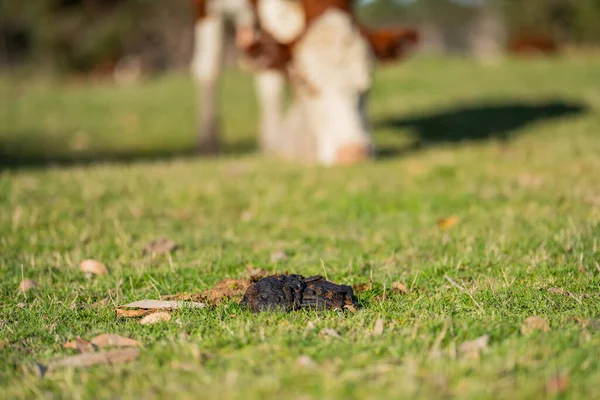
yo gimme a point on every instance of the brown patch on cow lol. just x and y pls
(533, 44)
(264, 52)
(352, 154)
(387, 44)
(391, 44)
(313, 9)
(200, 8)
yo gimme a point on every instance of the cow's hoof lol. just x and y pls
(352, 154)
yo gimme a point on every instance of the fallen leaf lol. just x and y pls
(589, 324)
(155, 318)
(378, 329)
(89, 359)
(350, 307)
(534, 323)
(111, 340)
(93, 267)
(361, 287)
(278, 255)
(101, 341)
(306, 362)
(329, 333)
(310, 326)
(3, 343)
(27, 284)
(160, 246)
(126, 313)
(163, 304)
(399, 287)
(557, 384)
(472, 348)
(447, 223)
(81, 345)
(21, 305)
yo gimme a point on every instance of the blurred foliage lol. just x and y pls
(84, 35)
(574, 21)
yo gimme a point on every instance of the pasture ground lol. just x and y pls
(511, 151)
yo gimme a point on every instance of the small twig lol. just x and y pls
(22, 279)
(464, 290)
(324, 269)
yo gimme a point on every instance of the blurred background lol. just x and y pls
(99, 37)
(105, 80)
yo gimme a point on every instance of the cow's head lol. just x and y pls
(329, 59)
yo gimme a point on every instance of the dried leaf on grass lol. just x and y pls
(399, 287)
(145, 307)
(105, 340)
(163, 304)
(534, 323)
(351, 308)
(155, 318)
(589, 324)
(126, 313)
(160, 246)
(90, 359)
(4, 343)
(473, 348)
(378, 329)
(81, 345)
(447, 223)
(329, 333)
(93, 267)
(557, 384)
(27, 284)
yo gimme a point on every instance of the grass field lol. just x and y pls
(511, 151)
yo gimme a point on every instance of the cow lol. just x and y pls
(316, 46)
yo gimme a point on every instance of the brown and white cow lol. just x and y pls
(320, 49)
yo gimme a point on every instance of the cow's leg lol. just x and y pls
(270, 89)
(206, 66)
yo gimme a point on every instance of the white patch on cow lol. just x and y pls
(270, 86)
(283, 19)
(335, 64)
(208, 48)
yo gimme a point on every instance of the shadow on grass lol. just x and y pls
(475, 122)
(32, 150)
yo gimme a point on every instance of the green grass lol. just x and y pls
(512, 150)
